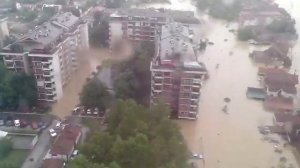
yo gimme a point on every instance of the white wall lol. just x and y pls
(115, 32)
(84, 34)
(57, 75)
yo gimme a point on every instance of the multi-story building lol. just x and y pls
(176, 75)
(49, 52)
(141, 24)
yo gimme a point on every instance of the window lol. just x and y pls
(19, 64)
(167, 73)
(167, 80)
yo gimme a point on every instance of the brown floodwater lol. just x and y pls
(231, 140)
(89, 60)
(227, 140)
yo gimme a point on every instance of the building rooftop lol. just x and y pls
(176, 43)
(65, 142)
(287, 117)
(182, 16)
(176, 48)
(176, 15)
(135, 12)
(279, 104)
(53, 163)
(47, 33)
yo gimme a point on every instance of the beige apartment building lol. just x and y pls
(176, 75)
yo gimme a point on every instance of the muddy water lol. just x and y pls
(229, 140)
(89, 60)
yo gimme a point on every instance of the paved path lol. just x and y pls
(40, 150)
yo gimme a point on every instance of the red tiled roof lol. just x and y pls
(53, 163)
(66, 141)
(62, 146)
(277, 80)
(71, 132)
(287, 117)
(264, 71)
(279, 104)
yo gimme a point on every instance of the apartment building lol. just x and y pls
(4, 32)
(49, 52)
(141, 24)
(176, 75)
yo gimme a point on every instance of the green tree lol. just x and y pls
(5, 147)
(132, 78)
(95, 94)
(137, 137)
(282, 26)
(60, 2)
(99, 34)
(29, 15)
(245, 34)
(18, 90)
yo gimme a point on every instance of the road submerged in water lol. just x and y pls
(227, 140)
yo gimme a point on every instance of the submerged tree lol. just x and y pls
(95, 94)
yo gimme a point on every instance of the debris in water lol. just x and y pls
(283, 159)
(227, 99)
(224, 109)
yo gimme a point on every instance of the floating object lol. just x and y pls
(227, 99)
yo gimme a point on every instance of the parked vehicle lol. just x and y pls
(34, 125)
(52, 132)
(23, 123)
(88, 112)
(58, 124)
(96, 111)
(198, 156)
(2, 122)
(9, 123)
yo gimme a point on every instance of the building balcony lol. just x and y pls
(49, 67)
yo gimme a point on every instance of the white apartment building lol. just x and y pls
(49, 52)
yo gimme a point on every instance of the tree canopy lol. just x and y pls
(136, 137)
(95, 94)
(99, 33)
(227, 10)
(5, 147)
(17, 90)
(245, 34)
(132, 78)
(282, 26)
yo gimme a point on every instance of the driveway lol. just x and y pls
(40, 149)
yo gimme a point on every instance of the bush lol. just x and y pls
(245, 34)
(5, 147)
(282, 26)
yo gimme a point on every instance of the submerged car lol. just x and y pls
(198, 156)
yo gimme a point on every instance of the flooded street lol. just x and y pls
(89, 60)
(227, 140)
(231, 140)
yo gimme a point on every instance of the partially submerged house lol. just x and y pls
(275, 56)
(279, 104)
(280, 84)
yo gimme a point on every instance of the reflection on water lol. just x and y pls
(229, 140)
